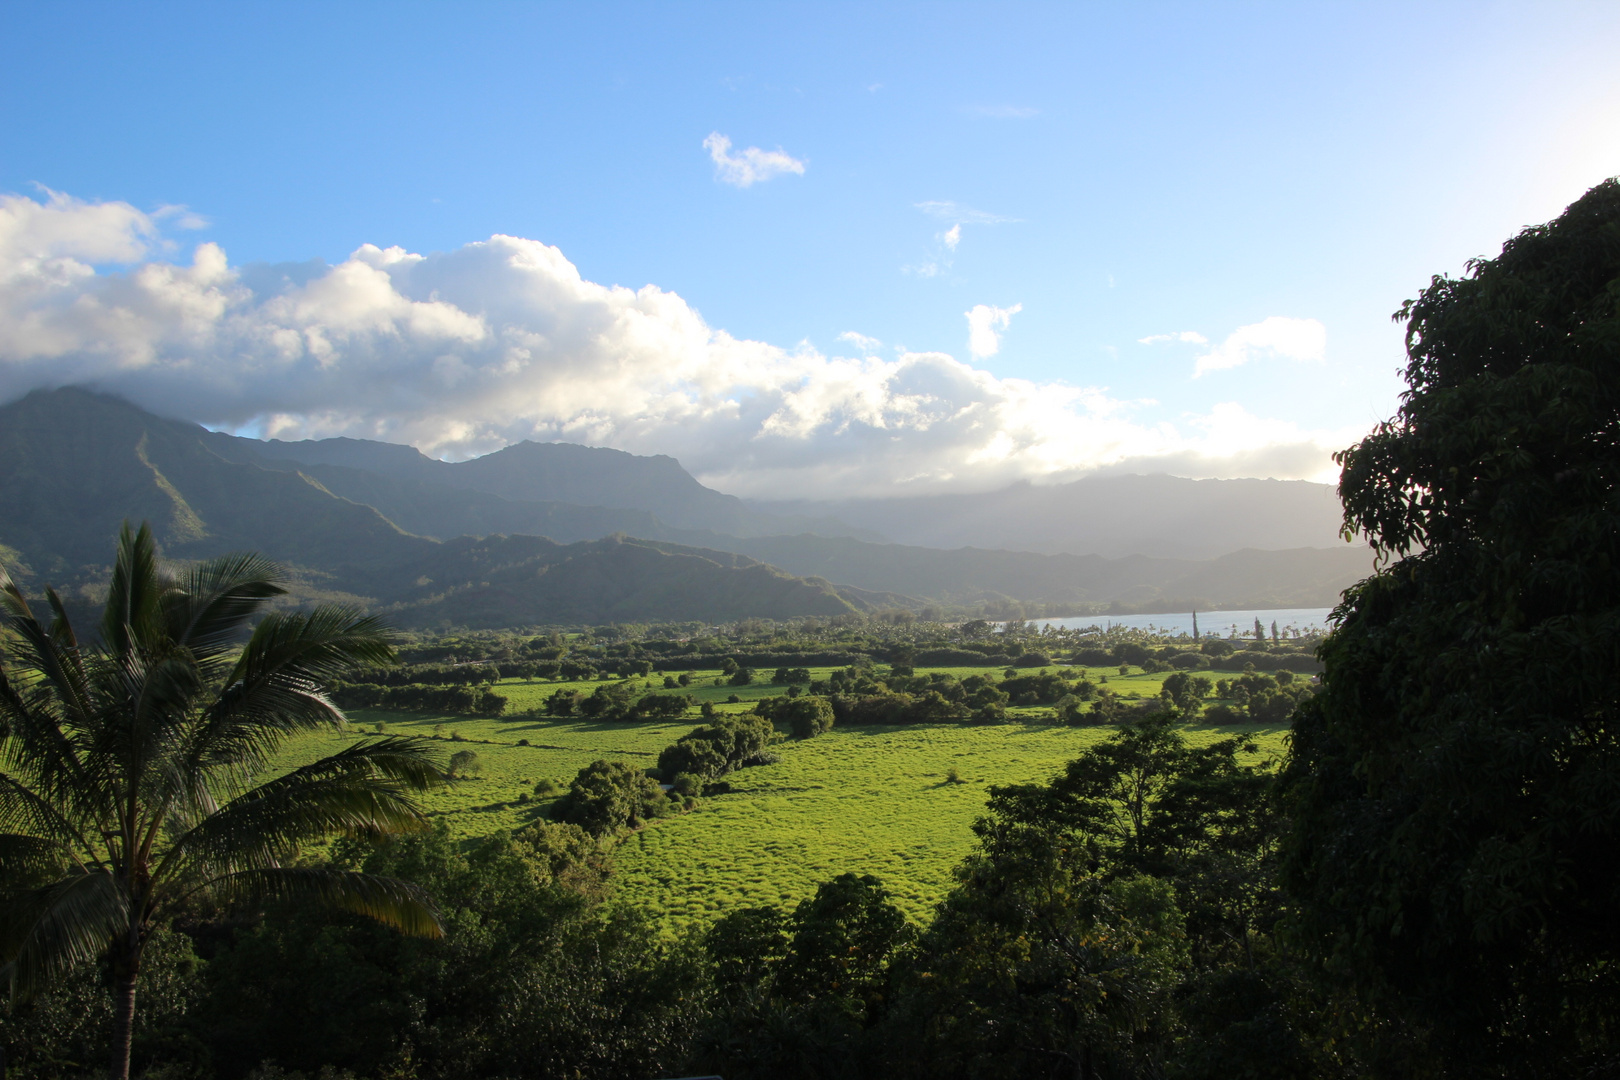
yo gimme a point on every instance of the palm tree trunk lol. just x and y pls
(126, 970)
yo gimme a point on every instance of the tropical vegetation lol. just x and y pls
(134, 773)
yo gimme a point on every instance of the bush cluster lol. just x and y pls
(415, 697)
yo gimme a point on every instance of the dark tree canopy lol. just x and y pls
(1456, 787)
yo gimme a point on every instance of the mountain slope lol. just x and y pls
(1112, 516)
(613, 580)
(1309, 577)
(547, 473)
(75, 464)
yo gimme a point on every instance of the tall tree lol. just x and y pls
(1456, 786)
(132, 770)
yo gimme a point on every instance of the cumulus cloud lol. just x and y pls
(1278, 336)
(984, 326)
(462, 352)
(1192, 337)
(751, 165)
(861, 341)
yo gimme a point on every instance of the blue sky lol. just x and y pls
(1114, 173)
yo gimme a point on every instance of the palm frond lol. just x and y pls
(32, 856)
(36, 745)
(209, 613)
(405, 907)
(274, 689)
(26, 811)
(135, 594)
(11, 598)
(46, 931)
(364, 789)
(36, 648)
(61, 626)
(319, 644)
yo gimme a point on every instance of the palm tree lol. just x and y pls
(136, 773)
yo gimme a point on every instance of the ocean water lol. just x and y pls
(1220, 623)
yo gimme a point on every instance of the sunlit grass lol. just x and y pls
(867, 800)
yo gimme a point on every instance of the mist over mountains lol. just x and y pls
(1112, 516)
(542, 533)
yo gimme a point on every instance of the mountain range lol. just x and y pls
(1113, 516)
(561, 534)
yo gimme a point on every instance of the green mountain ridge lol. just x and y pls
(74, 464)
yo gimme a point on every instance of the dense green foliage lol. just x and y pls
(715, 749)
(608, 796)
(465, 700)
(128, 783)
(1456, 788)
(804, 717)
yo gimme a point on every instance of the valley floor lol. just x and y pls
(872, 800)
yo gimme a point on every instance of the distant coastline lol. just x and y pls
(1216, 623)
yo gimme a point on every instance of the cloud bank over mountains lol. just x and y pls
(463, 352)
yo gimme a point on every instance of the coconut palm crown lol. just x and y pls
(136, 772)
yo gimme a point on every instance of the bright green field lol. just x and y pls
(868, 800)
(865, 800)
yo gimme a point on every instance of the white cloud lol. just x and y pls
(951, 237)
(465, 351)
(958, 214)
(751, 165)
(184, 217)
(1278, 336)
(861, 341)
(1192, 337)
(984, 322)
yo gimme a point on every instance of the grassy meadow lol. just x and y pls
(859, 799)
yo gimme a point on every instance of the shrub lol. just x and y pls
(1129, 652)
(1032, 659)
(1042, 689)
(462, 763)
(663, 706)
(609, 701)
(718, 748)
(563, 703)
(415, 697)
(608, 796)
(1189, 661)
(805, 717)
